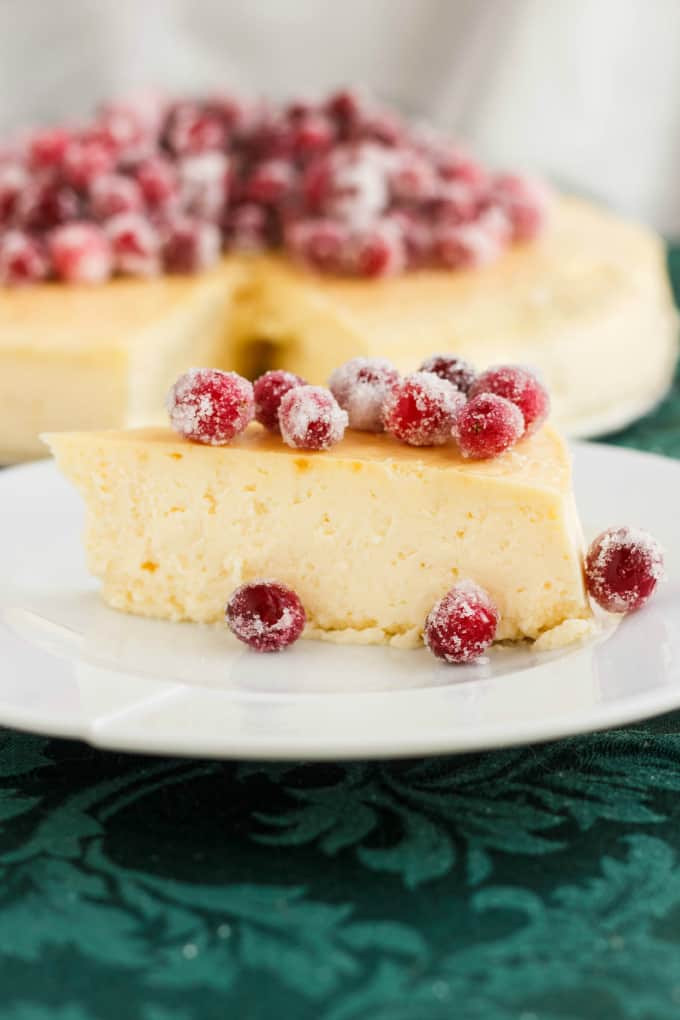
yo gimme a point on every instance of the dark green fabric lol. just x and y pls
(533, 884)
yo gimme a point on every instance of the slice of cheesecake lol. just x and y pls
(369, 534)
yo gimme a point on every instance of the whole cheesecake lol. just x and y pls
(369, 533)
(298, 236)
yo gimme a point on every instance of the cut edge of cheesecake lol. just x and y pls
(370, 533)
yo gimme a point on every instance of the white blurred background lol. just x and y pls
(587, 91)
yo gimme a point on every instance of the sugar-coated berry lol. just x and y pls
(266, 615)
(520, 386)
(23, 259)
(623, 567)
(269, 390)
(112, 194)
(310, 418)
(46, 203)
(158, 180)
(81, 253)
(361, 386)
(190, 245)
(487, 426)
(525, 202)
(135, 244)
(461, 626)
(46, 147)
(210, 406)
(85, 160)
(13, 180)
(457, 371)
(421, 409)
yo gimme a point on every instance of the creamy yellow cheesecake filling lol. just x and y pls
(369, 533)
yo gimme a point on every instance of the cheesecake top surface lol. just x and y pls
(541, 460)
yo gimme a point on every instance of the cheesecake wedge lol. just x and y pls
(369, 533)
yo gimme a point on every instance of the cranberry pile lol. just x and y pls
(341, 185)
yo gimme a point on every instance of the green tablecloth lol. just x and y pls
(532, 884)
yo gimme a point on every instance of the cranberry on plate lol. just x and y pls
(461, 625)
(266, 615)
(623, 568)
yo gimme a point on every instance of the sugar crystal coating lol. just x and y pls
(266, 615)
(421, 409)
(310, 418)
(361, 386)
(487, 426)
(210, 406)
(623, 568)
(461, 625)
(457, 371)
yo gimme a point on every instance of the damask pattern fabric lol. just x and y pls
(538, 883)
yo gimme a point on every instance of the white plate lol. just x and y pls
(72, 667)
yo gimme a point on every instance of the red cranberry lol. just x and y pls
(204, 184)
(157, 177)
(467, 246)
(45, 204)
(416, 234)
(135, 245)
(315, 186)
(524, 201)
(521, 387)
(461, 626)
(412, 178)
(112, 194)
(346, 107)
(421, 409)
(46, 148)
(361, 386)
(270, 182)
(265, 615)
(358, 189)
(378, 250)
(313, 133)
(22, 259)
(487, 426)
(320, 244)
(85, 160)
(311, 419)
(130, 127)
(13, 180)
(81, 253)
(381, 126)
(247, 226)
(269, 390)
(623, 567)
(210, 406)
(457, 371)
(192, 130)
(190, 245)
(455, 203)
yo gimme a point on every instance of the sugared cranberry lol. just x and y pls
(158, 179)
(112, 194)
(377, 250)
(521, 387)
(461, 626)
(85, 160)
(456, 165)
(487, 426)
(81, 253)
(524, 201)
(130, 127)
(623, 567)
(192, 130)
(346, 107)
(269, 390)
(310, 418)
(190, 245)
(319, 243)
(246, 227)
(416, 234)
(358, 189)
(270, 182)
(46, 148)
(313, 133)
(421, 409)
(210, 406)
(412, 178)
(361, 386)
(204, 184)
(457, 371)
(22, 259)
(467, 245)
(266, 615)
(45, 203)
(135, 245)
(381, 126)
(13, 180)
